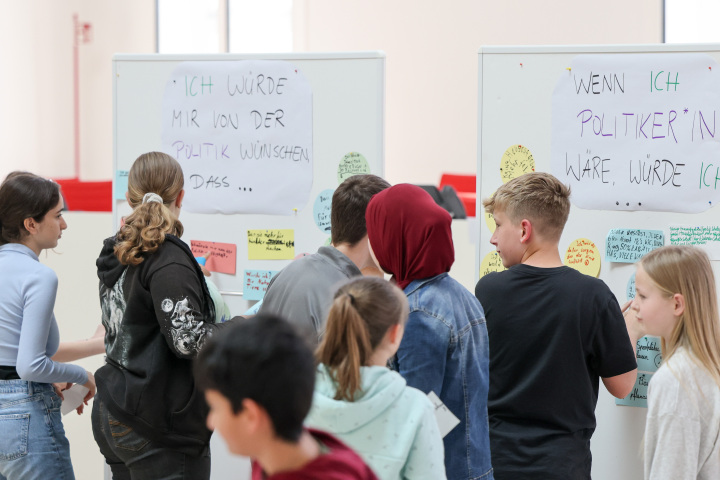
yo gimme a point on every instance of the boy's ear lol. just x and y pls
(527, 230)
(254, 415)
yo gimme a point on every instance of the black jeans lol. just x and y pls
(133, 457)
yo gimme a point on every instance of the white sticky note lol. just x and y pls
(445, 418)
(73, 398)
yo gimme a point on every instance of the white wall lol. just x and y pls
(432, 46)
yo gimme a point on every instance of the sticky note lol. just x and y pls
(121, 183)
(630, 289)
(491, 263)
(706, 237)
(255, 283)
(223, 256)
(445, 418)
(271, 244)
(321, 210)
(649, 356)
(629, 245)
(352, 164)
(517, 160)
(583, 256)
(638, 395)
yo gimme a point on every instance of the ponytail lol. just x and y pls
(145, 228)
(363, 311)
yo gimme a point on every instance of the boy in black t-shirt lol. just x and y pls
(553, 333)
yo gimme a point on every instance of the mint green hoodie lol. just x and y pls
(390, 425)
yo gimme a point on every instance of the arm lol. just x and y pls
(38, 325)
(77, 349)
(423, 351)
(179, 304)
(426, 460)
(622, 384)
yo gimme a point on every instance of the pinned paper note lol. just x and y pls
(491, 263)
(649, 356)
(630, 289)
(352, 164)
(706, 237)
(321, 210)
(638, 395)
(583, 256)
(445, 418)
(223, 256)
(255, 283)
(271, 244)
(628, 245)
(121, 184)
(490, 221)
(74, 397)
(517, 160)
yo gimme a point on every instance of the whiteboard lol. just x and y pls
(515, 92)
(348, 95)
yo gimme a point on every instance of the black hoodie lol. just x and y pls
(157, 315)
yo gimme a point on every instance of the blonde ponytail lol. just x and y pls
(145, 228)
(363, 310)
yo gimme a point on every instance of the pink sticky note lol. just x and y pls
(223, 255)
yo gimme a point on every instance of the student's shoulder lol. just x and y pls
(339, 463)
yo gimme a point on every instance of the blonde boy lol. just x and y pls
(553, 332)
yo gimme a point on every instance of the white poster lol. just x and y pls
(242, 131)
(639, 131)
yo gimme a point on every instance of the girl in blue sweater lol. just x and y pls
(359, 400)
(32, 438)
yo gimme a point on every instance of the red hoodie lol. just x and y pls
(340, 463)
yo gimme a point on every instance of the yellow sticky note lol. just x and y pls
(583, 256)
(491, 263)
(271, 244)
(516, 160)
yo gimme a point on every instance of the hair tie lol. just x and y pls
(352, 299)
(152, 197)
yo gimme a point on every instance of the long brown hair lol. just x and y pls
(362, 312)
(145, 228)
(687, 271)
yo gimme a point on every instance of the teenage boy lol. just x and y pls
(303, 291)
(553, 333)
(258, 378)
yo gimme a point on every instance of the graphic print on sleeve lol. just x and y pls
(188, 334)
(112, 305)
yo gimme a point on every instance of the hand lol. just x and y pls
(90, 385)
(205, 271)
(61, 387)
(635, 328)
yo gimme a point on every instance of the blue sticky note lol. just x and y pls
(121, 184)
(254, 309)
(638, 395)
(649, 356)
(628, 246)
(321, 210)
(630, 290)
(255, 283)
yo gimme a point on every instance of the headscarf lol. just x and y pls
(409, 233)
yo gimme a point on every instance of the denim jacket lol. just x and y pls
(445, 350)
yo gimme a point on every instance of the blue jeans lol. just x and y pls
(32, 438)
(132, 456)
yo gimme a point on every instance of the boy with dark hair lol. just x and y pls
(303, 291)
(553, 333)
(258, 378)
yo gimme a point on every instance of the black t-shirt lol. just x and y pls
(553, 333)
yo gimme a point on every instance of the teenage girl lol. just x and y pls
(148, 417)
(362, 402)
(676, 300)
(32, 439)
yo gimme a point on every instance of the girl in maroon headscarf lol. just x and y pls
(445, 347)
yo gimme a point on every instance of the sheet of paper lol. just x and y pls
(271, 244)
(321, 210)
(649, 356)
(243, 134)
(73, 398)
(445, 418)
(638, 395)
(706, 237)
(121, 184)
(634, 131)
(255, 283)
(223, 257)
(628, 246)
(583, 256)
